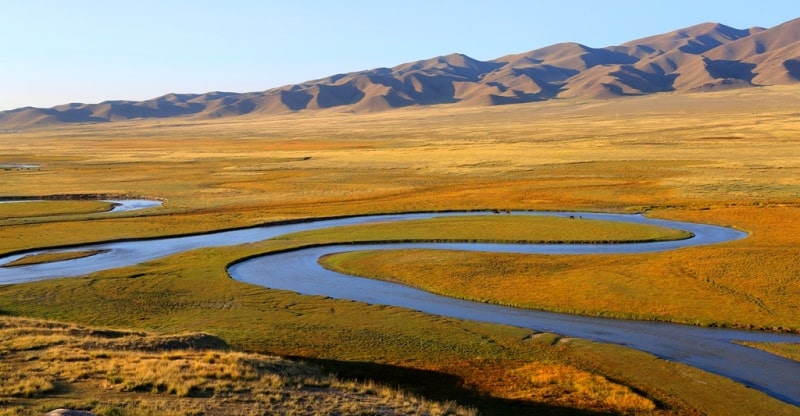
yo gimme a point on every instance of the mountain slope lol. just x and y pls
(707, 56)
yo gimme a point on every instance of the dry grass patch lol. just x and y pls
(132, 372)
(571, 384)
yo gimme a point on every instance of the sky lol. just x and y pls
(55, 52)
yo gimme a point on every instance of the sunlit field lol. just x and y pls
(162, 375)
(730, 158)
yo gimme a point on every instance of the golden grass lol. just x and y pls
(543, 156)
(747, 283)
(445, 359)
(786, 350)
(27, 209)
(132, 372)
(563, 381)
(708, 158)
(498, 228)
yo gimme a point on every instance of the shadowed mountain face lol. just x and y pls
(708, 56)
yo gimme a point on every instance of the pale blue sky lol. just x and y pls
(54, 51)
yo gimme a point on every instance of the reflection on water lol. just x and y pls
(18, 166)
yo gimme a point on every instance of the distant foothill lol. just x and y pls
(705, 57)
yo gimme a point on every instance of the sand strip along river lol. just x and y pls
(119, 205)
(710, 349)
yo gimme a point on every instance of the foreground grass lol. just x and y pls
(45, 363)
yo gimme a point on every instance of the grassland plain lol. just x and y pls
(727, 158)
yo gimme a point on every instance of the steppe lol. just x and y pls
(728, 158)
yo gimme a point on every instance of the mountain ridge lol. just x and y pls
(704, 57)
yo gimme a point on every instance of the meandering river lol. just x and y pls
(709, 349)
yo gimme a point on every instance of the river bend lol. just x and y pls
(709, 349)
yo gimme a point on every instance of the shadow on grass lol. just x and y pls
(438, 386)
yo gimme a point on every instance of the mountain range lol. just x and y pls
(704, 57)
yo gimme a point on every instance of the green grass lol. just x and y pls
(498, 228)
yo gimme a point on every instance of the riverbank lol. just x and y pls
(306, 279)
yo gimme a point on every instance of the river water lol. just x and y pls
(119, 205)
(709, 349)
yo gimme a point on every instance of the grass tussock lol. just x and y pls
(570, 383)
(42, 359)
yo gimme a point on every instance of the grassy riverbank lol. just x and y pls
(787, 350)
(499, 370)
(48, 209)
(42, 258)
(745, 284)
(705, 158)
